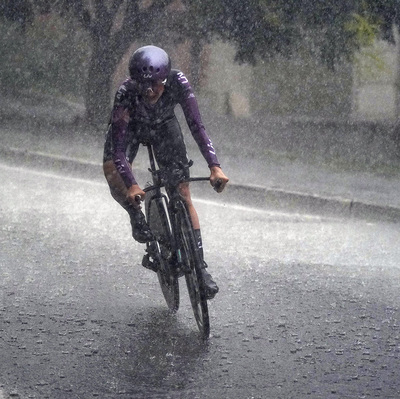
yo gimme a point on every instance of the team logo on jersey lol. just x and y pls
(148, 76)
(121, 92)
(211, 148)
(182, 78)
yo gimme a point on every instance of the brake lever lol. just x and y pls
(138, 200)
(217, 185)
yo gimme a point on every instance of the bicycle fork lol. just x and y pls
(182, 267)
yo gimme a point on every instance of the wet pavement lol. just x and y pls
(308, 306)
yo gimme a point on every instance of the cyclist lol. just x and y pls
(143, 111)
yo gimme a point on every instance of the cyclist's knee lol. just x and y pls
(108, 169)
(117, 187)
(184, 191)
(111, 175)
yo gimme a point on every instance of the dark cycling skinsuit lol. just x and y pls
(134, 120)
(156, 124)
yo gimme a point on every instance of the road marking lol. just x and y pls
(196, 199)
(244, 208)
(52, 175)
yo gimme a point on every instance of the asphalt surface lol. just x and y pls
(308, 306)
(333, 320)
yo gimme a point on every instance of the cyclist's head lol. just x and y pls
(150, 66)
(149, 63)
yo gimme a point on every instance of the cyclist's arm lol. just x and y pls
(119, 132)
(119, 126)
(192, 114)
(191, 111)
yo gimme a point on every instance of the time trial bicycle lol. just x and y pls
(175, 252)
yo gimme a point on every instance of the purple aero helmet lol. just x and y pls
(149, 63)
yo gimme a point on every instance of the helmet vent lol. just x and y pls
(149, 62)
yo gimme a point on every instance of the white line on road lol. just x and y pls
(51, 175)
(199, 200)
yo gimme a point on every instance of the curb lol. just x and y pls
(241, 194)
(284, 200)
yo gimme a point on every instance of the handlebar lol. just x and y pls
(217, 185)
(162, 184)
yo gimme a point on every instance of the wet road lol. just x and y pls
(308, 307)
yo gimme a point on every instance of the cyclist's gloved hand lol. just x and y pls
(218, 179)
(135, 196)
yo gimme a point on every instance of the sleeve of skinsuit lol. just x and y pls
(190, 108)
(119, 133)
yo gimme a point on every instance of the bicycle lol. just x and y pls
(174, 253)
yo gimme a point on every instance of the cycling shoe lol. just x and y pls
(211, 287)
(140, 230)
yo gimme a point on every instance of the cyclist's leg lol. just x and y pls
(212, 287)
(184, 190)
(140, 230)
(118, 190)
(117, 186)
(170, 152)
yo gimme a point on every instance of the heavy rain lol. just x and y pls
(300, 101)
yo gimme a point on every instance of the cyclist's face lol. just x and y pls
(152, 90)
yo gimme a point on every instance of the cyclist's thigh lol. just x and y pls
(138, 133)
(132, 144)
(115, 182)
(169, 146)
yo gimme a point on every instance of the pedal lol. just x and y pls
(179, 272)
(179, 267)
(182, 269)
(148, 264)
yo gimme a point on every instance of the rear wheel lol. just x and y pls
(158, 222)
(194, 282)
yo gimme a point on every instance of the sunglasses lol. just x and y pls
(151, 84)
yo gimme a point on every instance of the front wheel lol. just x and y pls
(192, 261)
(160, 251)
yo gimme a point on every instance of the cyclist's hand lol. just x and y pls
(218, 179)
(135, 195)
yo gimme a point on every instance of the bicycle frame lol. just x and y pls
(175, 246)
(172, 197)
